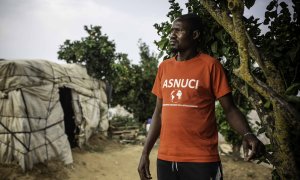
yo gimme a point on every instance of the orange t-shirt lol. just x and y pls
(189, 90)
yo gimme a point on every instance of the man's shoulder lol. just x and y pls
(166, 61)
(208, 58)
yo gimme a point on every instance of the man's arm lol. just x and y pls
(152, 136)
(239, 123)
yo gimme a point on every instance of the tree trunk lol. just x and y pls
(286, 153)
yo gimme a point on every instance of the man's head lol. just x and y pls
(185, 32)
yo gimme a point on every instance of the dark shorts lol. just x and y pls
(167, 170)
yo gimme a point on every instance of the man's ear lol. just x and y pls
(196, 34)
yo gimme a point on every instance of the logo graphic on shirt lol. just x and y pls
(176, 96)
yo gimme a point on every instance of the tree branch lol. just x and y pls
(255, 54)
(235, 28)
(279, 99)
(237, 9)
(220, 15)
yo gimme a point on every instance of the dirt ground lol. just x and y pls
(108, 160)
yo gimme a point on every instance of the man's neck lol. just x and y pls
(186, 55)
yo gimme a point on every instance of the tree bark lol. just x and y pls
(284, 155)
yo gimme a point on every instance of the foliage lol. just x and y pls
(149, 65)
(95, 51)
(230, 136)
(264, 67)
(282, 42)
(164, 29)
(124, 121)
(132, 84)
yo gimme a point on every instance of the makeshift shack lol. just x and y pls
(45, 108)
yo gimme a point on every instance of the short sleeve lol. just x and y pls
(156, 90)
(219, 81)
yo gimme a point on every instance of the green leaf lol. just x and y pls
(257, 123)
(160, 55)
(267, 105)
(235, 62)
(219, 35)
(293, 99)
(283, 5)
(249, 3)
(293, 89)
(293, 52)
(266, 21)
(271, 5)
(277, 54)
(162, 44)
(261, 130)
(273, 14)
(214, 47)
(269, 148)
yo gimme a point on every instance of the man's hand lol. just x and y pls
(257, 148)
(143, 168)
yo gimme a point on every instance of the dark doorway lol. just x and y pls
(65, 97)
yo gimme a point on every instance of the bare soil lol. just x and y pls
(108, 160)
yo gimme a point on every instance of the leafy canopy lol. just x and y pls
(95, 51)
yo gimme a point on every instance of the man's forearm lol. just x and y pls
(152, 136)
(238, 121)
(154, 131)
(234, 116)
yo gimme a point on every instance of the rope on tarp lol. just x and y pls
(49, 142)
(48, 112)
(44, 78)
(27, 115)
(14, 135)
(27, 132)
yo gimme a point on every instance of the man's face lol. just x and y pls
(181, 37)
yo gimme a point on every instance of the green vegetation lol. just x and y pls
(132, 84)
(95, 51)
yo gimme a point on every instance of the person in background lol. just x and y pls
(148, 124)
(187, 87)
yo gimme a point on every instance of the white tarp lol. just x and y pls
(31, 116)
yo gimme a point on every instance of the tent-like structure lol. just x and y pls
(45, 108)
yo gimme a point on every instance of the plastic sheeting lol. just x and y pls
(31, 116)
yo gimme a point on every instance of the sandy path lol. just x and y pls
(119, 162)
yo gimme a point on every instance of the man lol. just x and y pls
(186, 87)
